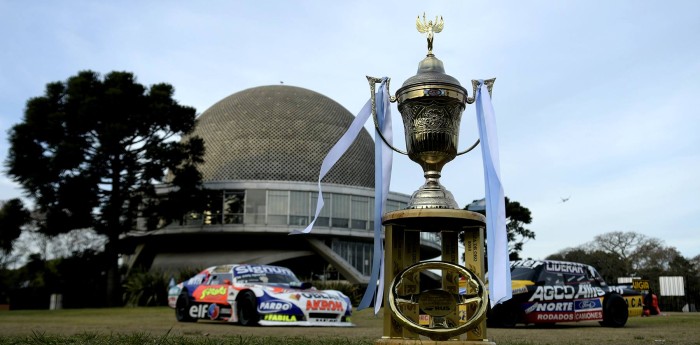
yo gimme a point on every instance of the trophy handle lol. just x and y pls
(470, 100)
(475, 85)
(470, 147)
(372, 82)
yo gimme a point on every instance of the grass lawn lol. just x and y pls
(158, 326)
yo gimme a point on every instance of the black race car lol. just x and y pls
(547, 292)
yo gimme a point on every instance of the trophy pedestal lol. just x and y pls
(403, 230)
(431, 342)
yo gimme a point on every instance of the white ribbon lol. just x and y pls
(496, 238)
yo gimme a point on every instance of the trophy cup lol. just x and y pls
(431, 105)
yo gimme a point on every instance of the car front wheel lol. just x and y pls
(182, 308)
(615, 311)
(247, 309)
(504, 315)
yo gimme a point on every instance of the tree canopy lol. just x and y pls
(517, 216)
(13, 216)
(90, 151)
(630, 254)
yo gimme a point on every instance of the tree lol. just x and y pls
(517, 216)
(13, 216)
(621, 244)
(89, 151)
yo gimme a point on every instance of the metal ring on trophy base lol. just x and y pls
(439, 303)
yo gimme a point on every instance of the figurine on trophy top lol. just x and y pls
(429, 28)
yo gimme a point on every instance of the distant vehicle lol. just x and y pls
(547, 292)
(257, 295)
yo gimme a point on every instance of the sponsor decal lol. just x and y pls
(319, 295)
(529, 309)
(526, 263)
(200, 311)
(634, 302)
(589, 315)
(261, 269)
(295, 296)
(274, 306)
(213, 311)
(639, 284)
(554, 306)
(280, 317)
(318, 319)
(617, 289)
(588, 304)
(564, 267)
(555, 317)
(316, 304)
(424, 319)
(519, 290)
(550, 293)
(213, 292)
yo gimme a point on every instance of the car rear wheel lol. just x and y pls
(182, 308)
(615, 311)
(247, 309)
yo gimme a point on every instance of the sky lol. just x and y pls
(595, 101)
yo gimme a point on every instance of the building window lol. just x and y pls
(392, 205)
(255, 206)
(233, 206)
(340, 211)
(360, 212)
(357, 254)
(277, 207)
(299, 208)
(323, 217)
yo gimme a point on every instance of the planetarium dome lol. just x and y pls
(281, 133)
(264, 147)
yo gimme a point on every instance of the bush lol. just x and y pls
(145, 289)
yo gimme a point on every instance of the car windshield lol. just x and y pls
(522, 273)
(269, 278)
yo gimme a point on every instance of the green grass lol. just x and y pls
(167, 339)
(157, 325)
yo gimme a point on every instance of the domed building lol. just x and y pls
(264, 149)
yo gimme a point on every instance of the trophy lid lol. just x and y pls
(431, 70)
(431, 81)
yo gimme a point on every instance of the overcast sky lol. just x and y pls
(596, 101)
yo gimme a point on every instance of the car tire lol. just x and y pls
(615, 312)
(247, 309)
(504, 315)
(182, 307)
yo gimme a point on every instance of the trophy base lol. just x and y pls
(402, 341)
(432, 196)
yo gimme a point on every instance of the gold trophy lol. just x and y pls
(431, 105)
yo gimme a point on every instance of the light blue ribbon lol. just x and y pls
(382, 172)
(500, 289)
(334, 155)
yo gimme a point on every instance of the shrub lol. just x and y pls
(144, 288)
